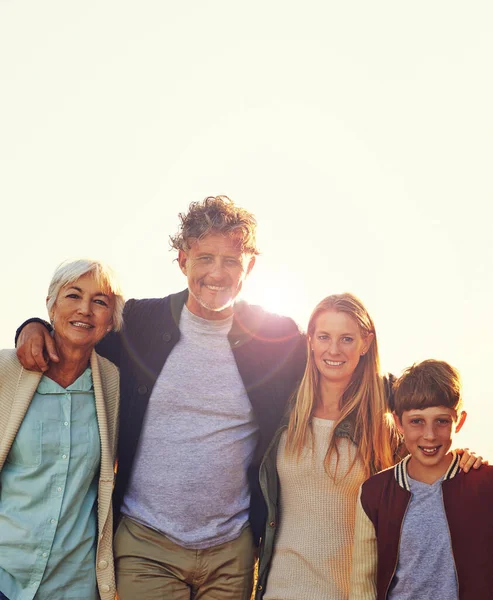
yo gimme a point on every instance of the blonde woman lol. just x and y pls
(57, 449)
(334, 438)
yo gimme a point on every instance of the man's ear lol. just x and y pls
(182, 261)
(251, 264)
(398, 423)
(460, 422)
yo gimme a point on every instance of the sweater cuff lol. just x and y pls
(33, 320)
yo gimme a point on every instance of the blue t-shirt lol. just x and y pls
(426, 567)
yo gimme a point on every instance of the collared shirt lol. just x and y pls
(48, 490)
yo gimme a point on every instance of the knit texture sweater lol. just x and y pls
(312, 557)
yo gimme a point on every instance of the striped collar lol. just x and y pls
(400, 471)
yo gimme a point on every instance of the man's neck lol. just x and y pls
(206, 313)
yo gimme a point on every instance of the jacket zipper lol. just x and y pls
(451, 547)
(397, 557)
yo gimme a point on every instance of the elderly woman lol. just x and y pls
(57, 449)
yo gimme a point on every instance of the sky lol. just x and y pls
(358, 133)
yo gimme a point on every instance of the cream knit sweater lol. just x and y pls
(17, 387)
(312, 556)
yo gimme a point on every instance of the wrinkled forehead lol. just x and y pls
(219, 244)
(97, 282)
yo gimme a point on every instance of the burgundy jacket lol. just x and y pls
(468, 501)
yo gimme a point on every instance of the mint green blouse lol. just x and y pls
(48, 490)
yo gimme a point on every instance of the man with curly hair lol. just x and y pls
(204, 383)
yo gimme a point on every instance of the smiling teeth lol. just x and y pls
(429, 450)
(216, 288)
(333, 363)
(79, 324)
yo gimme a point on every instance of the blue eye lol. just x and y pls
(347, 339)
(102, 302)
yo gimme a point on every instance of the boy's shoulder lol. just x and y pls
(478, 477)
(385, 494)
(380, 480)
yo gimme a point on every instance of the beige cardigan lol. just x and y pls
(17, 387)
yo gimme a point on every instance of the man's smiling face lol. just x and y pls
(216, 268)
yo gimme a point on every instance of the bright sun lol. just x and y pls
(274, 294)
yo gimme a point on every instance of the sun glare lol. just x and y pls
(274, 295)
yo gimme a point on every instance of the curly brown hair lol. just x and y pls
(216, 214)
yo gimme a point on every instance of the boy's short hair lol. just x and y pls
(429, 383)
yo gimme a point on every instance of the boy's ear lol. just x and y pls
(398, 423)
(460, 422)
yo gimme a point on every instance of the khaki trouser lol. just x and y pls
(151, 567)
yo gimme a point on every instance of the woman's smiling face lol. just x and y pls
(82, 313)
(337, 346)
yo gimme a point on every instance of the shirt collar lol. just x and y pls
(82, 384)
(400, 470)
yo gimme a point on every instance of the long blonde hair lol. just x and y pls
(363, 400)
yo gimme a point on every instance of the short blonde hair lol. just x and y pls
(69, 271)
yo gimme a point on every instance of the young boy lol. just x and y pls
(424, 530)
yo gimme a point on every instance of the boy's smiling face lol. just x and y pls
(428, 436)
